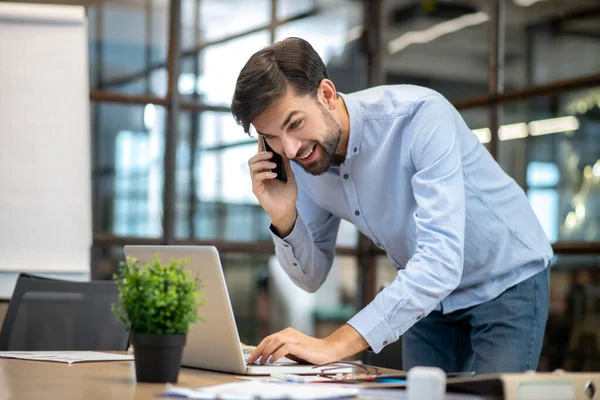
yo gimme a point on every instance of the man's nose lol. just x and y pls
(291, 146)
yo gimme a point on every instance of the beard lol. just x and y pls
(326, 149)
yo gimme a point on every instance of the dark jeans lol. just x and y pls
(502, 335)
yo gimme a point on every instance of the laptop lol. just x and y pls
(214, 343)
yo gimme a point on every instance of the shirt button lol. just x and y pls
(418, 317)
(295, 264)
(357, 213)
(346, 176)
(286, 245)
(385, 342)
(355, 149)
(378, 244)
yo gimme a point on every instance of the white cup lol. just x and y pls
(426, 383)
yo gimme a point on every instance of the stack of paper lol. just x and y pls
(261, 390)
(65, 356)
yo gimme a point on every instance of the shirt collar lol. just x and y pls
(356, 125)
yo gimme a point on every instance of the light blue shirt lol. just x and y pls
(419, 184)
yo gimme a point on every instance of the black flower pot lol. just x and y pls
(157, 357)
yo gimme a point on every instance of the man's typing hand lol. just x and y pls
(299, 347)
(294, 345)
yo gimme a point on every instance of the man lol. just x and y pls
(399, 163)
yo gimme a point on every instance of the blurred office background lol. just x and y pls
(169, 164)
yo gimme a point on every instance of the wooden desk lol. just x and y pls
(25, 380)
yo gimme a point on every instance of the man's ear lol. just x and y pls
(328, 93)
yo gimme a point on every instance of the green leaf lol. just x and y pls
(156, 298)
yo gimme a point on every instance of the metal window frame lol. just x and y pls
(365, 252)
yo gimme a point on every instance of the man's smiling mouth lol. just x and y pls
(308, 153)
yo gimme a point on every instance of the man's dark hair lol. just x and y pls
(267, 74)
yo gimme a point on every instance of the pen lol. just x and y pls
(288, 378)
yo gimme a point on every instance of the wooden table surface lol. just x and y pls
(24, 380)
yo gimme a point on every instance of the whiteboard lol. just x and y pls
(45, 181)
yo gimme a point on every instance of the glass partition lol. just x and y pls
(128, 147)
(126, 42)
(551, 147)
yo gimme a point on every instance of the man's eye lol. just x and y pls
(295, 124)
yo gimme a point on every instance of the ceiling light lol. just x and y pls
(580, 212)
(571, 220)
(186, 83)
(149, 116)
(582, 107)
(513, 131)
(596, 169)
(553, 125)
(484, 135)
(434, 32)
(526, 3)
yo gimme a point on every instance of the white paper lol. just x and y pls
(261, 390)
(65, 356)
(288, 378)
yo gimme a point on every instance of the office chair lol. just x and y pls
(50, 314)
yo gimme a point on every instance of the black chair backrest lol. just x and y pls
(50, 314)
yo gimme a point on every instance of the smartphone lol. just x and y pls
(280, 168)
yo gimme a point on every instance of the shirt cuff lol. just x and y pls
(373, 328)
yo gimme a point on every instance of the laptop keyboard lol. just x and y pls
(246, 353)
(283, 360)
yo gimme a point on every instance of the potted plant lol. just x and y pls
(158, 304)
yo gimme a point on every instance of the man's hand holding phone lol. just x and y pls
(276, 159)
(278, 198)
